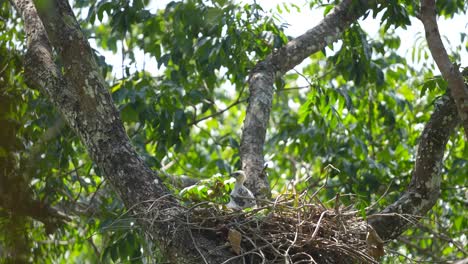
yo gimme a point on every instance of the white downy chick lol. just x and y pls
(241, 197)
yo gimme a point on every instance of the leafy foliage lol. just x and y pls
(362, 110)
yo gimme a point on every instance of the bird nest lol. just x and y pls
(293, 229)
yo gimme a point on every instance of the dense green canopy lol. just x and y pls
(361, 113)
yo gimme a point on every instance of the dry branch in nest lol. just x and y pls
(290, 230)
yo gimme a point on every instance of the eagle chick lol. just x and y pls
(240, 196)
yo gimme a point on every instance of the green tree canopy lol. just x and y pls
(371, 130)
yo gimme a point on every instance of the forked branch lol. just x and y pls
(278, 63)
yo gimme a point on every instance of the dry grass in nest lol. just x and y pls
(290, 230)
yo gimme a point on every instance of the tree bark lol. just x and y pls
(261, 88)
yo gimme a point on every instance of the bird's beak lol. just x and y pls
(235, 174)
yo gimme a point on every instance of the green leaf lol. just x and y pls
(164, 60)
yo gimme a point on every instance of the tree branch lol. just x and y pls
(20, 204)
(261, 86)
(450, 73)
(236, 102)
(424, 188)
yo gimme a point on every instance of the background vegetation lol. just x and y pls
(362, 110)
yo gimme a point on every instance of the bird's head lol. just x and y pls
(239, 176)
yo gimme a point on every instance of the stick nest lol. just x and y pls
(290, 230)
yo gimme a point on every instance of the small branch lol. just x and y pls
(424, 251)
(26, 206)
(318, 225)
(236, 102)
(6, 66)
(450, 73)
(95, 249)
(443, 236)
(294, 88)
(305, 78)
(368, 208)
(180, 181)
(310, 84)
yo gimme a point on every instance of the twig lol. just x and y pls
(318, 225)
(94, 195)
(380, 198)
(218, 113)
(195, 244)
(236, 102)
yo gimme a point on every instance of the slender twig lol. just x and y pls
(380, 198)
(318, 225)
(294, 88)
(95, 249)
(236, 102)
(305, 78)
(94, 194)
(195, 243)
